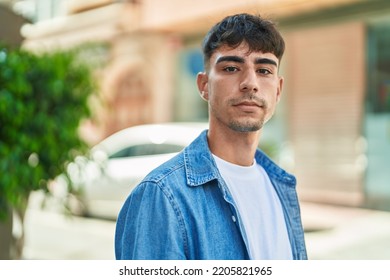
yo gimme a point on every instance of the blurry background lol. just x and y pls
(332, 128)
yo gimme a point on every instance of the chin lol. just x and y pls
(246, 127)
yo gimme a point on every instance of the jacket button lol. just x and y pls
(234, 218)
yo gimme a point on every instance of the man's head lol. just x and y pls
(241, 81)
(260, 35)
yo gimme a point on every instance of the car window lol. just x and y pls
(147, 150)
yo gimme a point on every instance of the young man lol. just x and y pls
(222, 198)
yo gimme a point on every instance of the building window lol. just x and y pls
(377, 117)
(379, 69)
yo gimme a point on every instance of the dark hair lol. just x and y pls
(260, 35)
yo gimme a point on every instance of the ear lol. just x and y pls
(202, 82)
(279, 89)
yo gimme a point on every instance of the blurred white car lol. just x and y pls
(121, 161)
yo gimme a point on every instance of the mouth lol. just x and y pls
(249, 106)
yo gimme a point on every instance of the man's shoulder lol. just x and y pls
(189, 160)
(170, 167)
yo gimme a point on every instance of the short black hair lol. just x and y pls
(260, 34)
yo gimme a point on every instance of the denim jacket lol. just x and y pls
(183, 210)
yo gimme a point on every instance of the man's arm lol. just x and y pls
(149, 226)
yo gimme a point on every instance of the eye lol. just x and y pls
(264, 71)
(230, 69)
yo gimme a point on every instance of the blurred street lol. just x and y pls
(332, 233)
(53, 236)
(342, 233)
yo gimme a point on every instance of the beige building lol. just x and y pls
(333, 127)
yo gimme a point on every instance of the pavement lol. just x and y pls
(345, 233)
(331, 233)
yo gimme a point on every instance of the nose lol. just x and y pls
(249, 82)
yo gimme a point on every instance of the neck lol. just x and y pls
(232, 146)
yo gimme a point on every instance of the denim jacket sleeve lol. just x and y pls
(148, 226)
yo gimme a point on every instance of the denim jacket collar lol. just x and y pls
(199, 163)
(201, 168)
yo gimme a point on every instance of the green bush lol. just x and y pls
(43, 98)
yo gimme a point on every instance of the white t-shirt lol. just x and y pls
(259, 208)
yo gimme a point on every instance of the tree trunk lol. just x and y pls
(6, 238)
(11, 245)
(18, 240)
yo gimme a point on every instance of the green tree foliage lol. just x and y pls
(43, 98)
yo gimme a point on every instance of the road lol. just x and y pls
(52, 235)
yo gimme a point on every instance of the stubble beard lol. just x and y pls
(246, 126)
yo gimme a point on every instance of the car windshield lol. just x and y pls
(147, 150)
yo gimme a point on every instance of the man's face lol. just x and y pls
(242, 88)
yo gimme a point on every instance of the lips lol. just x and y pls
(249, 104)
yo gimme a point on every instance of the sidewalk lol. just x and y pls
(343, 233)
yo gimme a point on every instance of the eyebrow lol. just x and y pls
(266, 61)
(238, 59)
(231, 58)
